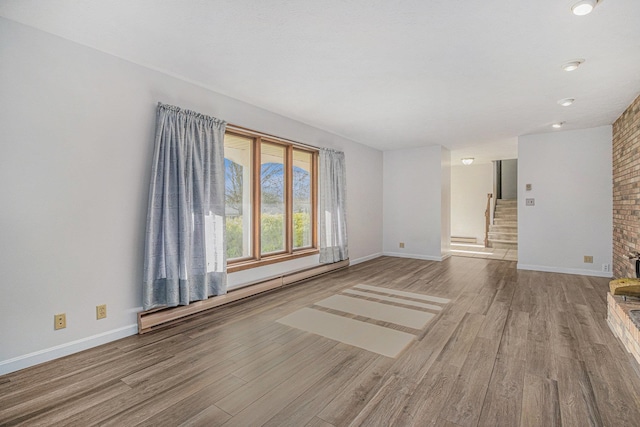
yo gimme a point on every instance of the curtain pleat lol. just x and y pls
(333, 212)
(185, 256)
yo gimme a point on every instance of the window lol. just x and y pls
(270, 193)
(273, 212)
(238, 179)
(302, 201)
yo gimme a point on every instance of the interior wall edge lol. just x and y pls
(366, 258)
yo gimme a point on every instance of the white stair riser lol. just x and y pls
(502, 236)
(503, 228)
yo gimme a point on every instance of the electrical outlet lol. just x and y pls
(101, 311)
(59, 321)
(530, 202)
(606, 268)
(588, 259)
(402, 244)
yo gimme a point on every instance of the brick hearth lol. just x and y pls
(621, 324)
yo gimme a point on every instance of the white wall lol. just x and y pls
(571, 177)
(75, 159)
(469, 188)
(414, 203)
(510, 179)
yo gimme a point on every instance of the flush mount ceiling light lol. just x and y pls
(467, 161)
(557, 125)
(572, 65)
(583, 7)
(566, 102)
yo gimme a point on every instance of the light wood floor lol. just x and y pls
(513, 348)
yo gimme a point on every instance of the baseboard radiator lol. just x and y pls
(152, 319)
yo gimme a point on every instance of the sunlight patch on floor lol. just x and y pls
(397, 309)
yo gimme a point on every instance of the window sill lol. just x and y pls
(252, 263)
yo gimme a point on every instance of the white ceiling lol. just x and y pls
(471, 75)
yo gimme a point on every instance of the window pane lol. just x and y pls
(237, 168)
(272, 187)
(301, 199)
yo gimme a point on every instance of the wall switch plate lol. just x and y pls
(402, 244)
(588, 259)
(101, 311)
(530, 202)
(528, 187)
(59, 321)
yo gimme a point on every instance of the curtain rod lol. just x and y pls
(290, 141)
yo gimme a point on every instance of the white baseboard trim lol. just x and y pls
(576, 271)
(365, 258)
(415, 256)
(47, 354)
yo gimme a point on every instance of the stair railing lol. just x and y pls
(487, 220)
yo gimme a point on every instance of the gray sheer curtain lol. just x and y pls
(333, 213)
(185, 257)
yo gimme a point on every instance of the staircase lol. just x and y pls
(503, 233)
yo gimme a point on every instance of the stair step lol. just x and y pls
(503, 245)
(502, 221)
(506, 202)
(505, 218)
(509, 228)
(512, 218)
(510, 242)
(511, 232)
(503, 237)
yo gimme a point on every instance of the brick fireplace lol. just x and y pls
(626, 222)
(626, 189)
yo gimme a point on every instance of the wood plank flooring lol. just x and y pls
(512, 348)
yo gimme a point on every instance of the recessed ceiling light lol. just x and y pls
(557, 125)
(566, 102)
(467, 161)
(583, 7)
(572, 65)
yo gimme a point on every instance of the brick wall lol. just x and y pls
(626, 189)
